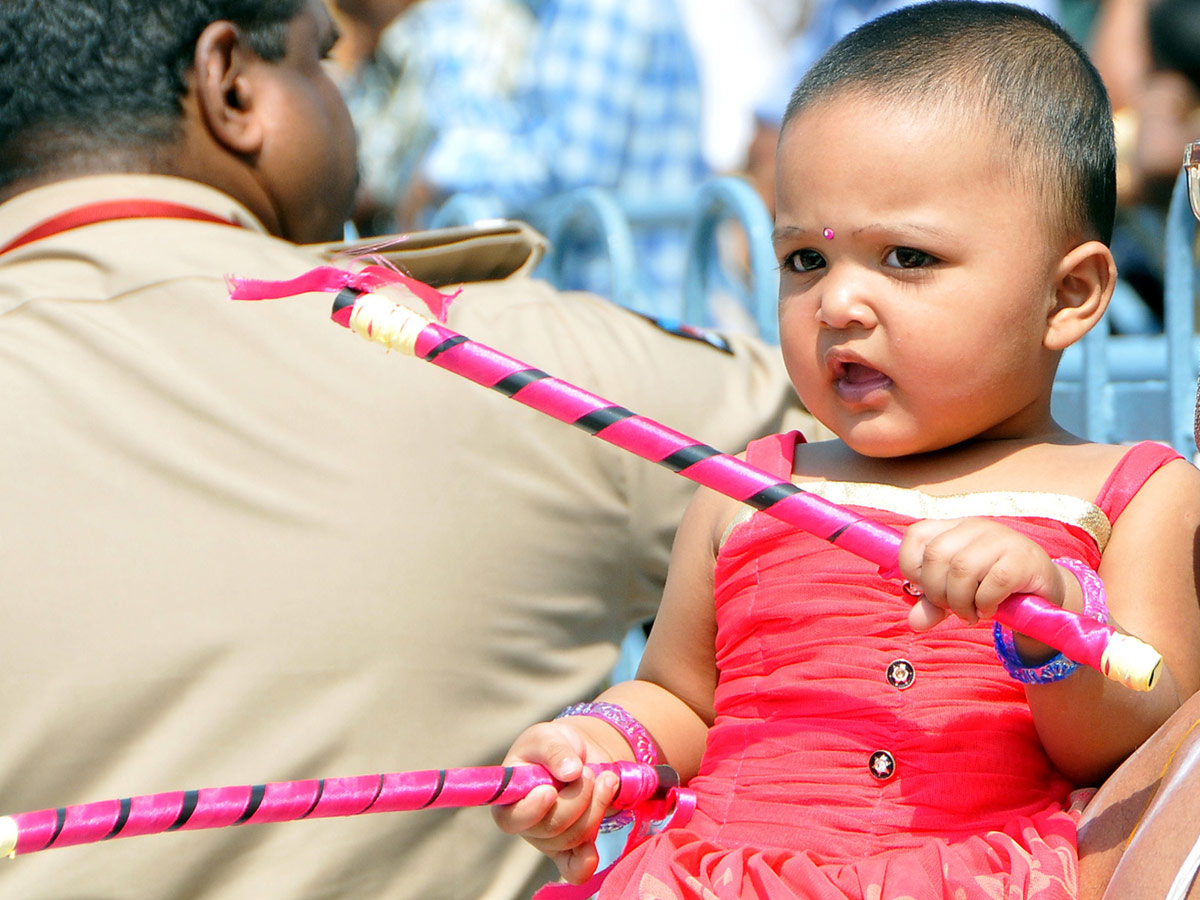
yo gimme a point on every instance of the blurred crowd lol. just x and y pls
(1149, 54)
(512, 102)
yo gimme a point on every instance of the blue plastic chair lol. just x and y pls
(716, 201)
(1179, 300)
(582, 217)
(1127, 387)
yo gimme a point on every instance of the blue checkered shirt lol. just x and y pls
(609, 96)
(436, 62)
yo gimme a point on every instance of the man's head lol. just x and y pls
(229, 92)
(999, 67)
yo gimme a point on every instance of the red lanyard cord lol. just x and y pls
(108, 211)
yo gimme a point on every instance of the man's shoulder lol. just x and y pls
(530, 309)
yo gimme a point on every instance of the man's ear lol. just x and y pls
(224, 88)
(1083, 286)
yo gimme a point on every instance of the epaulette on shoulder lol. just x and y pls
(691, 332)
(489, 250)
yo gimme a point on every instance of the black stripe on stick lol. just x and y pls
(768, 497)
(256, 799)
(510, 384)
(437, 792)
(122, 818)
(599, 419)
(445, 345)
(508, 774)
(688, 456)
(317, 799)
(346, 297)
(837, 534)
(186, 809)
(375, 799)
(60, 819)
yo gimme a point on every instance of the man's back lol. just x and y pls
(240, 545)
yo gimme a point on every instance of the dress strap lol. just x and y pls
(774, 453)
(1133, 470)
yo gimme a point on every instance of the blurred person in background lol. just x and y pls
(238, 544)
(420, 69)
(607, 94)
(740, 47)
(1148, 52)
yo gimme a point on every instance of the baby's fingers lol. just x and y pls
(573, 849)
(524, 814)
(911, 556)
(559, 748)
(578, 865)
(924, 615)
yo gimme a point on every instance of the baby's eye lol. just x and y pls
(803, 261)
(909, 258)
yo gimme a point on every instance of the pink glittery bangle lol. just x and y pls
(1095, 605)
(644, 750)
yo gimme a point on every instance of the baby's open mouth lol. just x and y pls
(855, 381)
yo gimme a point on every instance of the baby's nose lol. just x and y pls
(844, 304)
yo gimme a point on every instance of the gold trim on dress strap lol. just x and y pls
(918, 505)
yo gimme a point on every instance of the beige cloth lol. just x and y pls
(238, 544)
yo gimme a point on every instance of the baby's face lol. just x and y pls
(916, 278)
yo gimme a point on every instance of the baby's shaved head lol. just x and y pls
(997, 66)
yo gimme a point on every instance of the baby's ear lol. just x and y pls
(1083, 286)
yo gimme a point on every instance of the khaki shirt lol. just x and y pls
(238, 544)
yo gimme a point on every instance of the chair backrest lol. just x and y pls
(718, 201)
(1127, 387)
(1179, 292)
(588, 221)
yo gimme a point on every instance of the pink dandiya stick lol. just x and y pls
(288, 801)
(1120, 657)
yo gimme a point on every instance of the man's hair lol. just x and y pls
(1006, 65)
(80, 78)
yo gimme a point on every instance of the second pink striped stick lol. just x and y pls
(1120, 657)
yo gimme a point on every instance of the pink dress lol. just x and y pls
(852, 757)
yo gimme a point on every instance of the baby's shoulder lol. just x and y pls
(1102, 472)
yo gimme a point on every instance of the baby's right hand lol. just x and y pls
(562, 823)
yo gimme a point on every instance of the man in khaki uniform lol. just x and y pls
(238, 544)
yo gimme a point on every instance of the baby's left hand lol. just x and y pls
(968, 566)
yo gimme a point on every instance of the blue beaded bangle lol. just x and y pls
(1054, 669)
(1059, 666)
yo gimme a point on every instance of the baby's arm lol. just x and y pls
(672, 699)
(1150, 574)
(1087, 723)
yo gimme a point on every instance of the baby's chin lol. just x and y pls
(877, 441)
